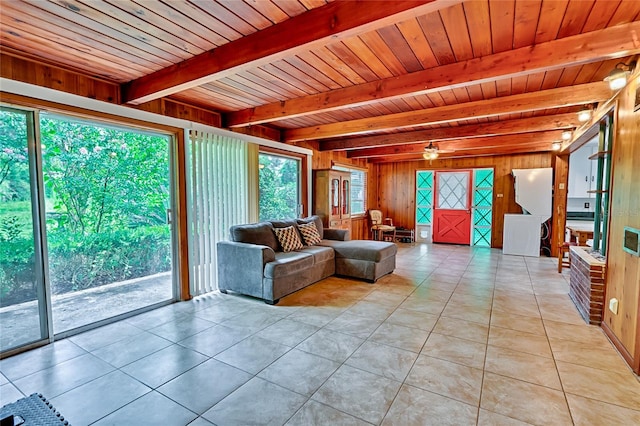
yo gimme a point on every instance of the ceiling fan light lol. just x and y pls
(431, 155)
(584, 115)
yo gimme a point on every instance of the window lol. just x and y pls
(482, 207)
(358, 192)
(424, 197)
(279, 178)
(358, 189)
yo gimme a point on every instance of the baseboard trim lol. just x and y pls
(619, 346)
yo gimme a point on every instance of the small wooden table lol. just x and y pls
(582, 233)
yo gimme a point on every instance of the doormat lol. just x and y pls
(35, 410)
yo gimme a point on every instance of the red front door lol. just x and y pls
(452, 212)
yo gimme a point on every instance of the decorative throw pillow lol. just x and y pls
(288, 238)
(309, 233)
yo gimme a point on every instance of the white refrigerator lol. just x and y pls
(533, 188)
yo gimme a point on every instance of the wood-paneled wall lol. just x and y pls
(623, 269)
(23, 69)
(41, 74)
(27, 71)
(360, 228)
(172, 108)
(396, 185)
(326, 160)
(560, 189)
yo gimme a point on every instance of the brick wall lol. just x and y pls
(586, 285)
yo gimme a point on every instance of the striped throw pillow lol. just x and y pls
(288, 238)
(309, 233)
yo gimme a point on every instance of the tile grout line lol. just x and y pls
(553, 357)
(403, 383)
(532, 272)
(484, 365)
(310, 398)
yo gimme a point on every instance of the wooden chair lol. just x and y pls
(379, 227)
(563, 248)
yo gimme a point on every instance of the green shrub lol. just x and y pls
(17, 271)
(106, 191)
(78, 261)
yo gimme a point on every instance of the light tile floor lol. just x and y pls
(455, 336)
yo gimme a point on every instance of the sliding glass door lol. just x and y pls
(105, 247)
(107, 202)
(22, 301)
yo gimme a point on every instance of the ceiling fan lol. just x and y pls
(431, 152)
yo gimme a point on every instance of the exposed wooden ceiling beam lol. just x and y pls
(462, 144)
(544, 99)
(590, 129)
(318, 27)
(522, 125)
(466, 153)
(613, 42)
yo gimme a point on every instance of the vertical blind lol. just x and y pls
(220, 185)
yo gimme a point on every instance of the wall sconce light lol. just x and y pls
(584, 115)
(566, 135)
(556, 146)
(617, 78)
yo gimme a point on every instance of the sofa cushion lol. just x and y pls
(373, 251)
(254, 233)
(288, 263)
(289, 238)
(320, 254)
(283, 223)
(309, 233)
(315, 219)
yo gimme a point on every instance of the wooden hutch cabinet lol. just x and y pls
(332, 198)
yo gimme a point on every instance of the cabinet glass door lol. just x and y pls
(335, 197)
(346, 192)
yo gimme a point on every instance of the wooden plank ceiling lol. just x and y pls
(377, 79)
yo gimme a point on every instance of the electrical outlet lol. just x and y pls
(499, 195)
(613, 306)
(586, 205)
(561, 186)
